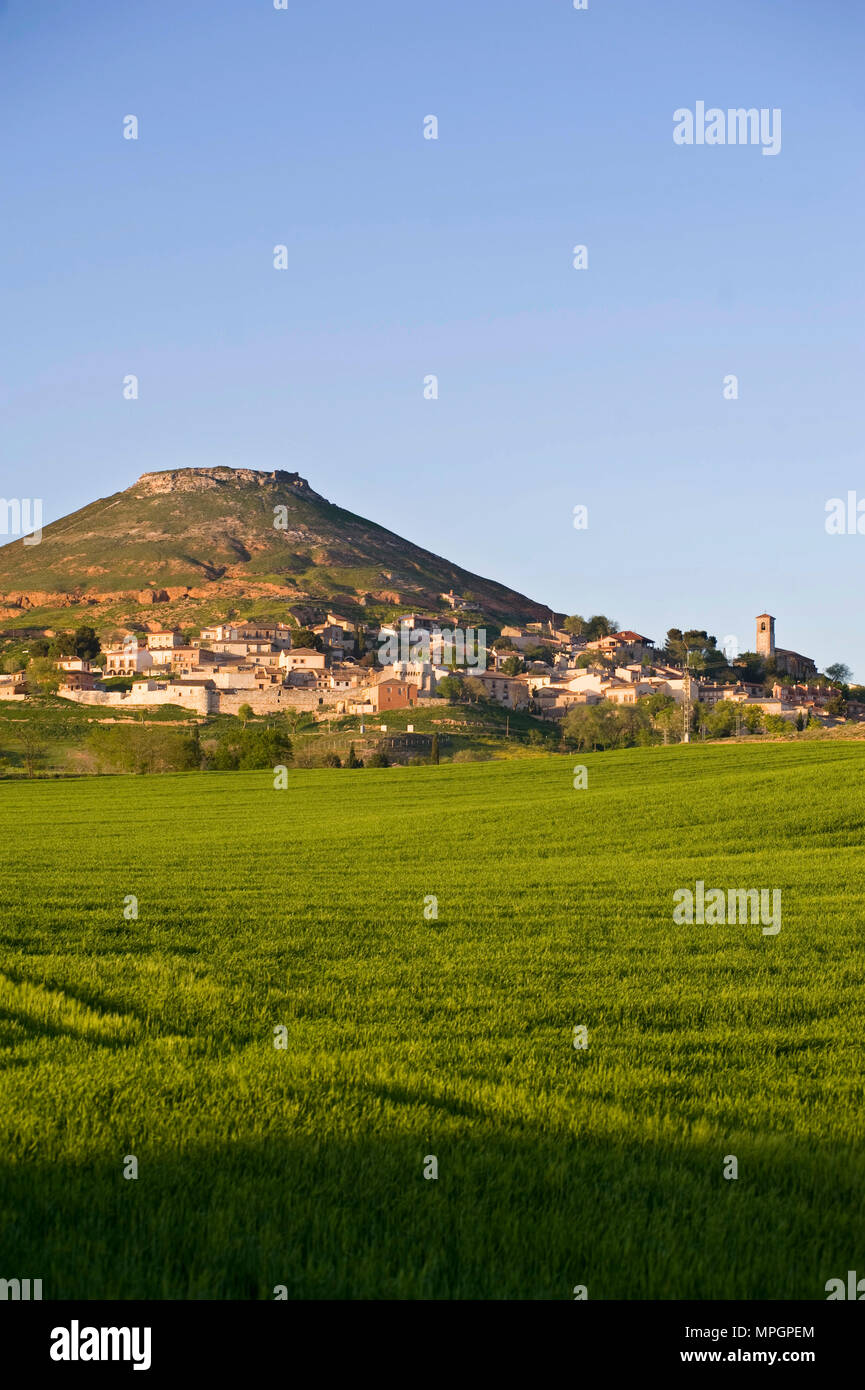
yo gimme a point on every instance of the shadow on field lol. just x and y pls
(18, 1024)
(512, 1218)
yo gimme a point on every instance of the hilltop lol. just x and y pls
(197, 539)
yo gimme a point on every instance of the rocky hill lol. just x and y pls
(198, 540)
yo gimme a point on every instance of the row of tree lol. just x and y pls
(140, 748)
(658, 719)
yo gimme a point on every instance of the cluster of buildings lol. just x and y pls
(241, 663)
(255, 663)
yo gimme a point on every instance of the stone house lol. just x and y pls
(243, 646)
(164, 640)
(78, 679)
(301, 658)
(554, 701)
(180, 658)
(265, 631)
(335, 639)
(509, 691)
(220, 632)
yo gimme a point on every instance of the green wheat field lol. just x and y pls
(406, 1038)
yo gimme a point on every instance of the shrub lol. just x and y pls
(260, 745)
(776, 724)
(140, 748)
(42, 675)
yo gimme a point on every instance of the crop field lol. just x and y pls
(286, 1036)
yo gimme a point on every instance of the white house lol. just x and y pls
(128, 660)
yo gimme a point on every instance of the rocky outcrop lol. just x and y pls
(41, 598)
(211, 479)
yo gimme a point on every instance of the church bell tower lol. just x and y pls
(765, 635)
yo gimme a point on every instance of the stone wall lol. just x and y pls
(198, 699)
(202, 701)
(270, 699)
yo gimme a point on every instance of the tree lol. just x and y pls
(82, 643)
(43, 676)
(668, 720)
(663, 714)
(657, 702)
(634, 725)
(776, 724)
(475, 690)
(839, 672)
(261, 745)
(703, 649)
(800, 722)
(378, 760)
(452, 688)
(295, 720)
(62, 645)
(591, 726)
(695, 661)
(513, 665)
(33, 746)
(305, 637)
(722, 719)
(575, 624)
(539, 653)
(141, 748)
(86, 643)
(434, 749)
(331, 760)
(699, 715)
(353, 760)
(600, 626)
(245, 714)
(754, 716)
(750, 667)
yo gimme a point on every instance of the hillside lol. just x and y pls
(200, 538)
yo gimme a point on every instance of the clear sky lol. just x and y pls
(557, 387)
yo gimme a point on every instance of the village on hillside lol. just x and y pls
(336, 667)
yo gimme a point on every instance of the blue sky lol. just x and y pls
(407, 256)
